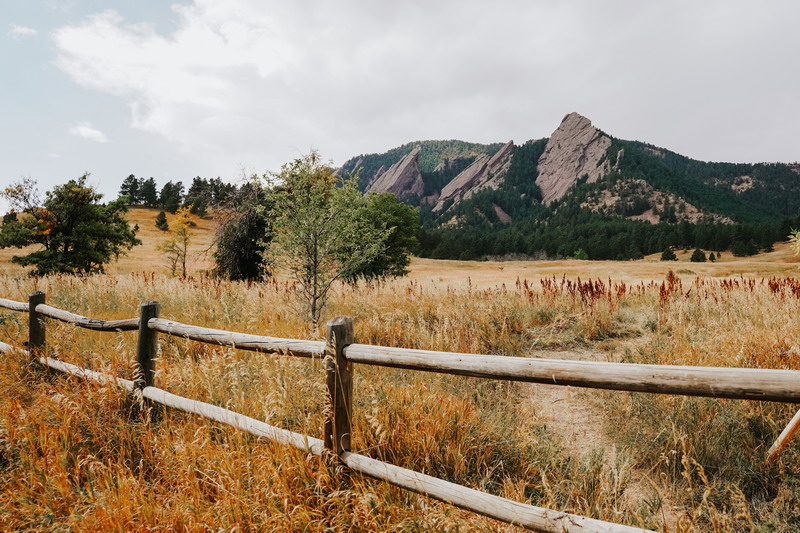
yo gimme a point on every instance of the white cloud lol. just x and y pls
(53, 155)
(19, 32)
(85, 130)
(245, 82)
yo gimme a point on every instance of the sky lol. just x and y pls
(229, 88)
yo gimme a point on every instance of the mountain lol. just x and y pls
(581, 171)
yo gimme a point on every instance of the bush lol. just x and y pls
(698, 256)
(161, 221)
(669, 255)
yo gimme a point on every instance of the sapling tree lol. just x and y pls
(320, 231)
(176, 247)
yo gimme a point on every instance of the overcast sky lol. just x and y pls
(226, 87)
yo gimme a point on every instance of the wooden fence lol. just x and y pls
(340, 351)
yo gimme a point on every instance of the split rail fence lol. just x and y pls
(340, 351)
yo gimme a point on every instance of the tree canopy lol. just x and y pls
(320, 230)
(77, 233)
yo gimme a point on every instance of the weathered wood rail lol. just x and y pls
(340, 352)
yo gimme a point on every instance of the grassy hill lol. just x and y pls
(145, 258)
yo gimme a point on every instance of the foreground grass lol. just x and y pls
(77, 457)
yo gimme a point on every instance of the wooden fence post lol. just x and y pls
(339, 377)
(36, 333)
(147, 348)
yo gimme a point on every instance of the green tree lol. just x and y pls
(742, 249)
(161, 221)
(199, 207)
(171, 196)
(698, 256)
(581, 254)
(243, 238)
(384, 212)
(130, 190)
(176, 247)
(320, 231)
(669, 255)
(76, 233)
(148, 192)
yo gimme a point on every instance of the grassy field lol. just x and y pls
(75, 456)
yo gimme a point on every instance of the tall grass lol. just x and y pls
(76, 456)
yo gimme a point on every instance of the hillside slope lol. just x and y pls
(628, 179)
(581, 189)
(146, 257)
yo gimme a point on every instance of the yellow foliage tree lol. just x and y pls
(794, 241)
(176, 247)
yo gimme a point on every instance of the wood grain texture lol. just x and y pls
(36, 326)
(85, 373)
(527, 516)
(784, 438)
(717, 382)
(241, 341)
(128, 324)
(146, 346)
(236, 420)
(14, 306)
(339, 379)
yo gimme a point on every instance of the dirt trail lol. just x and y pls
(574, 417)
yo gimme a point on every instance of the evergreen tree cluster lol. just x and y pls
(202, 194)
(558, 232)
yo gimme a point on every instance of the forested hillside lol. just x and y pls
(582, 191)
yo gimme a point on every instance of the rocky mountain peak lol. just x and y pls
(575, 149)
(403, 179)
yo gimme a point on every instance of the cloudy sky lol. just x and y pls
(226, 87)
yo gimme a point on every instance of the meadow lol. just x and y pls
(77, 456)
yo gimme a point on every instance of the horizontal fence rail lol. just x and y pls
(340, 351)
(241, 341)
(14, 306)
(717, 382)
(128, 324)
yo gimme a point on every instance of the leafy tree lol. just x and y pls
(176, 247)
(199, 207)
(794, 241)
(581, 254)
(130, 190)
(384, 212)
(669, 255)
(320, 232)
(712, 257)
(698, 256)
(76, 233)
(171, 196)
(243, 238)
(161, 221)
(742, 249)
(148, 192)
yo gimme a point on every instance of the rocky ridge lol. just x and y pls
(403, 179)
(486, 172)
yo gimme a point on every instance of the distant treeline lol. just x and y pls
(570, 230)
(202, 193)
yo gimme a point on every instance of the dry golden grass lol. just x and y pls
(482, 274)
(147, 257)
(75, 456)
